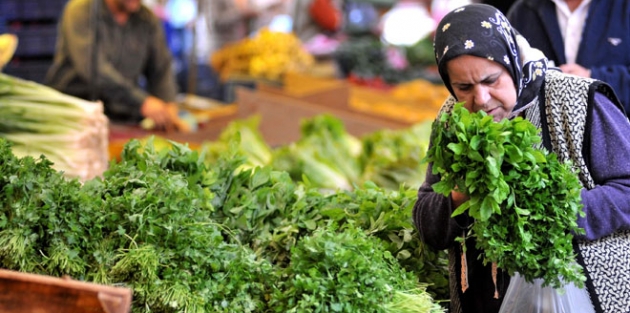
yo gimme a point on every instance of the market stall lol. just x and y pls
(282, 108)
(232, 214)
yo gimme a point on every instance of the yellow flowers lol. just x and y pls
(268, 55)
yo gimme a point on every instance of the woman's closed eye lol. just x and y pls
(489, 81)
(463, 87)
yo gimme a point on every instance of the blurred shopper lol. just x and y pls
(313, 17)
(588, 38)
(268, 12)
(228, 21)
(502, 5)
(179, 17)
(220, 22)
(126, 63)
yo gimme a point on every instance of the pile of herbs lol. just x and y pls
(189, 237)
(347, 271)
(524, 201)
(145, 225)
(169, 249)
(272, 213)
(268, 210)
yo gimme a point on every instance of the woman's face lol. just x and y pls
(482, 85)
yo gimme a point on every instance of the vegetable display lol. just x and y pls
(325, 155)
(524, 201)
(328, 157)
(194, 237)
(394, 157)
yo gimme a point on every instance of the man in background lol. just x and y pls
(588, 38)
(126, 63)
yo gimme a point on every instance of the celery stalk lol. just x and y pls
(69, 131)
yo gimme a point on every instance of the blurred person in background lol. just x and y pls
(227, 21)
(221, 22)
(224, 22)
(179, 20)
(315, 17)
(587, 38)
(502, 5)
(112, 64)
(268, 12)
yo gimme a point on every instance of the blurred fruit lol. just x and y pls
(8, 44)
(268, 55)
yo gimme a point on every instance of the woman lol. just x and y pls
(486, 65)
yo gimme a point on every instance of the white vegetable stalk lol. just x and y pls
(69, 131)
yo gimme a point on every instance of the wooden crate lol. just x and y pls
(30, 293)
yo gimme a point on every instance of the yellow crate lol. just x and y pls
(300, 84)
(410, 102)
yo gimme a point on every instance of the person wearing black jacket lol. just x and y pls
(588, 38)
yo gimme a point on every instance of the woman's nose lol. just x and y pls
(481, 95)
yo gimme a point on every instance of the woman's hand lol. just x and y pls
(458, 198)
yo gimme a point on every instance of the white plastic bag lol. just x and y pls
(525, 297)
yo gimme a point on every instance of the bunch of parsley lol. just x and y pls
(346, 270)
(524, 201)
(41, 229)
(147, 225)
(167, 245)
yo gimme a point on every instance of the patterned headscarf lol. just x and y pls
(482, 30)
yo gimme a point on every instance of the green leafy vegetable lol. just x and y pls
(249, 140)
(326, 155)
(524, 201)
(347, 271)
(394, 157)
(193, 236)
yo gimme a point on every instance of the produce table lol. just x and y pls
(282, 109)
(280, 114)
(119, 134)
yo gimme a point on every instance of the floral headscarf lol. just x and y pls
(482, 30)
